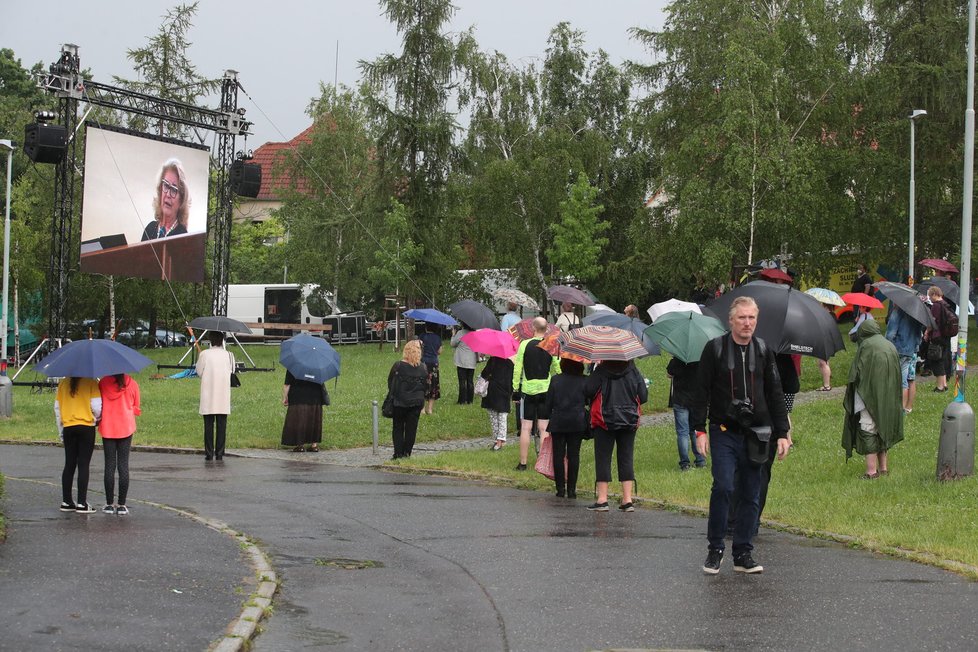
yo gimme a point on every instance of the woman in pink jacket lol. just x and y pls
(120, 406)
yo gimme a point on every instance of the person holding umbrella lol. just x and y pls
(304, 401)
(431, 350)
(616, 391)
(309, 362)
(214, 367)
(77, 408)
(120, 407)
(465, 360)
(500, 346)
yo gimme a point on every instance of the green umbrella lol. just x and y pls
(684, 333)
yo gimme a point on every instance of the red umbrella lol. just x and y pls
(775, 274)
(862, 299)
(523, 330)
(492, 342)
(939, 264)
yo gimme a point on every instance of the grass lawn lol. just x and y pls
(814, 490)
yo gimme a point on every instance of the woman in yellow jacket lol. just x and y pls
(77, 408)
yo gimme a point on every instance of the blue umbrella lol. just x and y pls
(92, 359)
(624, 322)
(310, 358)
(430, 315)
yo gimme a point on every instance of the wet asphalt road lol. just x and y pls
(377, 561)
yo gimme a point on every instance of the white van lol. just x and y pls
(297, 307)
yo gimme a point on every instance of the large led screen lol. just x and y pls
(144, 207)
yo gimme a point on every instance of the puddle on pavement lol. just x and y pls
(907, 580)
(348, 564)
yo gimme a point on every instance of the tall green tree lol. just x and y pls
(417, 130)
(578, 243)
(329, 209)
(752, 135)
(532, 132)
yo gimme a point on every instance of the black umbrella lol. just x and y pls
(949, 288)
(789, 321)
(906, 299)
(475, 315)
(570, 295)
(218, 323)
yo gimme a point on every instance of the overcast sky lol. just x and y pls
(284, 48)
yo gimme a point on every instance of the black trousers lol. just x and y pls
(567, 444)
(604, 445)
(466, 385)
(405, 429)
(210, 449)
(79, 446)
(116, 458)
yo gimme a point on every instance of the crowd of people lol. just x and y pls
(731, 406)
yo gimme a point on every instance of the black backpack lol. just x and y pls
(949, 321)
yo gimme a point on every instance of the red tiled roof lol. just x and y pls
(270, 156)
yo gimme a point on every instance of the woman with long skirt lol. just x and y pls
(304, 417)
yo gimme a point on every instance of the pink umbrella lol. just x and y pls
(492, 342)
(939, 264)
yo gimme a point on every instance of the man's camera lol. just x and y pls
(741, 411)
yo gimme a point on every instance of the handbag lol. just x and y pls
(387, 409)
(481, 386)
(235, 381)
(935, 352)
(758, 443)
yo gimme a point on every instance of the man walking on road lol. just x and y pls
(739, 389)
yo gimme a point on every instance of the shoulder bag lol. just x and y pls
(235, 381)
(387, 409)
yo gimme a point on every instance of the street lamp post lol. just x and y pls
(913, 192)
(6, 386)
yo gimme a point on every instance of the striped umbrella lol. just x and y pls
(523, 329)
(551, 344)
(602, 343)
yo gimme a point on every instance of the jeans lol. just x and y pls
(685, 438)
(730, 459)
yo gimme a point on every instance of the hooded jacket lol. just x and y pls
(120, 407)
(875, 374)
(616, 394)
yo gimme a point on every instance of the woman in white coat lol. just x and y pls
(214, 366)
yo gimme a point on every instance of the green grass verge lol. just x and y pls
(813, 491)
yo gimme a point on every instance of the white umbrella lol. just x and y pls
(824, 295)
(672, 305)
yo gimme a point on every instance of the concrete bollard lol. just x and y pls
(376, 427)
(956, 449)
(6, 396)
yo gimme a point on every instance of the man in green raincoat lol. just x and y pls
(873, 402)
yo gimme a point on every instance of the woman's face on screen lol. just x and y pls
(170, 198)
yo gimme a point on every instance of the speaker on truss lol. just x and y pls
(44, 143)
(245, 178)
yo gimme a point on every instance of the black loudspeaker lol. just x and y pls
(245, 178)
(45, 143)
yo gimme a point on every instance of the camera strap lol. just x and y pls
(748, 362)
